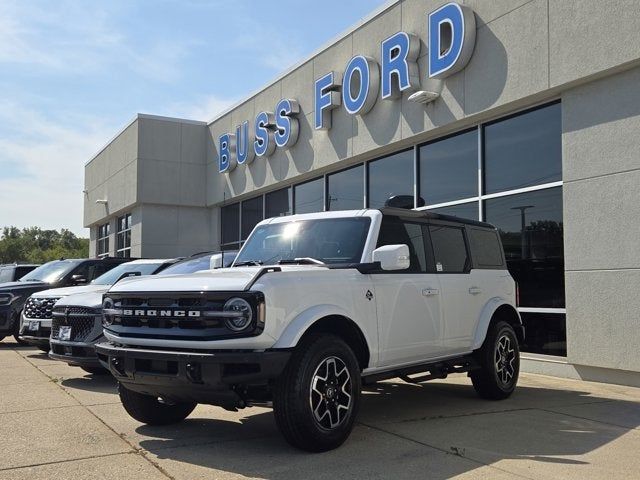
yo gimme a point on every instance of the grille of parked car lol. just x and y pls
(82, 321)
(39, 308)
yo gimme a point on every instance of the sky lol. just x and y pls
(73, 73)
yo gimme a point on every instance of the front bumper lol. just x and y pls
(38, 336)
(79, 354)
(228, 379)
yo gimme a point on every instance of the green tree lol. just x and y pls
(35, 245)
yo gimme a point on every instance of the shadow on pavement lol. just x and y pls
(405, 431)
(91, 382)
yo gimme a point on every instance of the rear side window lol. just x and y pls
(394, 231)
(449, 249)
(486, 248)
(6, 275)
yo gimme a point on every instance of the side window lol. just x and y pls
(486, 248)
(449, 249)
(5, 275)
(394, 231)
(81, 270)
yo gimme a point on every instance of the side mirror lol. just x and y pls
(215, 262)
(127, 275)
(78, 279)
(392, 257)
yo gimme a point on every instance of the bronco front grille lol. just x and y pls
(81, 320)
(39, 308)
(186, 316)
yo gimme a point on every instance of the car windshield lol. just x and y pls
(114, 274)
(50, 272)
(331, 240)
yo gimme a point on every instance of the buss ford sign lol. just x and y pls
(452, 31)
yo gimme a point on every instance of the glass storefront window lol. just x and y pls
(230, 223)
(123, 236)
(463, 210)
(346, 189)
(278, 203)
(251, 215)
(309, 196)
(449, 168)
(523, 150)
(530, 225)
(545, 333)
(390, 176)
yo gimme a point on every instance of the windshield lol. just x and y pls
(114, 274)
(50, 272)
(331, 240)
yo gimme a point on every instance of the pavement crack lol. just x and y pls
(452, 451)
(56, 462)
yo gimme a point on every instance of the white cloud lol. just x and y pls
(83, 39)
(204, 109)
(51, 157)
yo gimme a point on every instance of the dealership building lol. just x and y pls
(522, 113)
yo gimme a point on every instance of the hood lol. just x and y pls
(86, 299)
(224, 279)
(63, 292)
(22, 288)
(233, 279)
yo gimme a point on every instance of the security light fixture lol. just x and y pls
(423, 96)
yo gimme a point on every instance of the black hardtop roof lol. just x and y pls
(426, 214)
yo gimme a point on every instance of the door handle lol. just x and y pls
(427, 292)
(475, 290)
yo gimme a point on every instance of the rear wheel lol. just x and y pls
(499, 358)
(316, 399)
(148, 409)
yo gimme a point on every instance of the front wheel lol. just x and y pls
(316, 399)
(16, 330)
(499, 359)
(148, 409)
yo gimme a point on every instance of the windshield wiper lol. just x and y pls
(248, 263)
(300, 261)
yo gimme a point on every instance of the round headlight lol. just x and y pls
(107, 319)
(243, 312)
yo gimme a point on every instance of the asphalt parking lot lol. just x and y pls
(58, 422)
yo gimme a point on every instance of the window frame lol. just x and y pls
(102, 240)
(125, 251)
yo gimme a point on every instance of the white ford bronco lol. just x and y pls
(314, 306)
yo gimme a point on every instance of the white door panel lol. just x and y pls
(409, 317)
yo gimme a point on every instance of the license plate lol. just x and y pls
(34, 326)
(64, 333)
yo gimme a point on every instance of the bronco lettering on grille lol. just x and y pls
(160, 313)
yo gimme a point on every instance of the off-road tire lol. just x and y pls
(499, 359)
(147, 409)
(297, 390)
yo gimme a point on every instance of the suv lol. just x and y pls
(314, 306)
(55, 274)
(77, 318)
(13, 272)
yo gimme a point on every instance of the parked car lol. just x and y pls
(314, 306)
(77, 318)
(55, 274)
(37, 315)
(14, 272)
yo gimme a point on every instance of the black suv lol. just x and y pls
(55, 274)
(13, 272)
